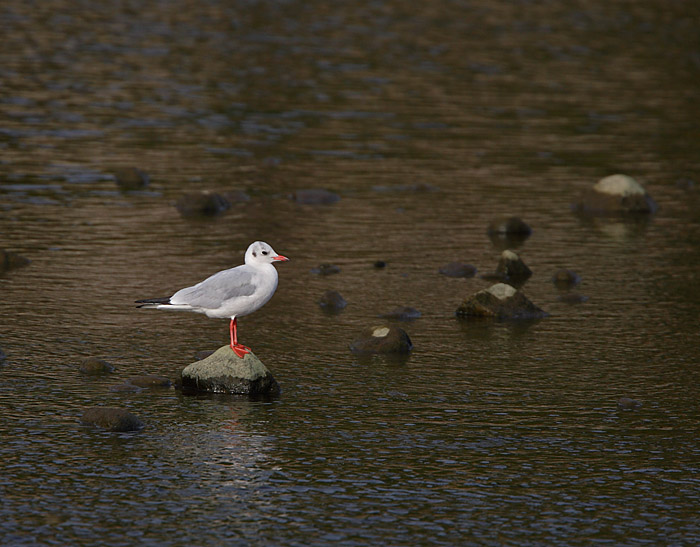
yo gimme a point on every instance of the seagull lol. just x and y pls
(229, 293)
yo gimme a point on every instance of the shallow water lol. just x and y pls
(488, 433)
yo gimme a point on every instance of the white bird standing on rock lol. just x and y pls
(229, 293)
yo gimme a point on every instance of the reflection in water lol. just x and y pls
(429, 122)
(620, 230)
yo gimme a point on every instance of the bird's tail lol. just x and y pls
(153, 302)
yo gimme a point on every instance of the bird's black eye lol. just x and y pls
(264, 252)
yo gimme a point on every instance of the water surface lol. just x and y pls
(488, 433)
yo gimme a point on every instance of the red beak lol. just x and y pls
(280, 257)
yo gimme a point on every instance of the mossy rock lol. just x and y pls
(500, 301)
(615, 195)
(225, 372)
(512, 267)
(382, 339)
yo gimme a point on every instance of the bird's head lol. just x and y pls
(261, 253)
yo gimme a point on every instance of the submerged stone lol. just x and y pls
(402, 313)
(236, 196)
(572, 298)
(149, 381)
(419, 188)
(382, 339)
(509, 225)
(10, 260)
(508, 232)
(92, 366)
(565, 279)
(616, 194)
(326, 269)
(125, 387)
(202, 204)
(224, 372)
(111, 418)
(626, 403)
(131, 178)
(500, 301)
(457, 269)
(685, 183)
(332, 301)
(315, 196)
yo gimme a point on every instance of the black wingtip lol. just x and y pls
(165, 300)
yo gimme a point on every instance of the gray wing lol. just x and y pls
(217, 289)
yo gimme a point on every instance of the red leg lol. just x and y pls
(238, 349)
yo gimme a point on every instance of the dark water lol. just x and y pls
(488, 434)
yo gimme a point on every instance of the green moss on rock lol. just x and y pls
(224, 372)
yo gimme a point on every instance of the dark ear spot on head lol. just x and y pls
(255, 254)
